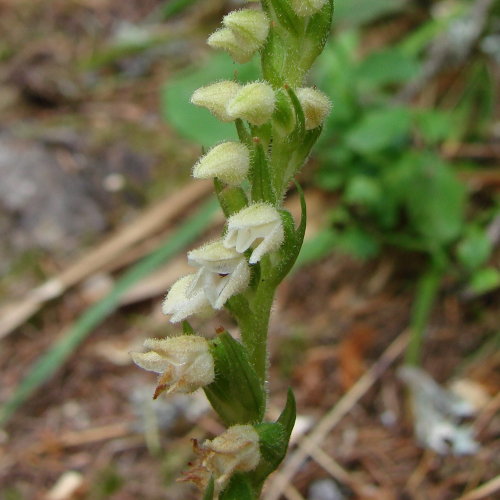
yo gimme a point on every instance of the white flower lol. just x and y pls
(185, 363)
(316, 106)
(223, 273)
(307, 7)
(181, 304)
(253, 102)
(215, 98)
(259, 221)
(228, 161)
(235, 450)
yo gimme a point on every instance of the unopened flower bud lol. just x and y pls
(254, 102)
(258, 222)
(215, 98)
(249, 26)
(223, 273)
(180, 305)
(236, 450)
(315, 104)
(225, 39)
(228, 161)
(307, 7)
(185, 363)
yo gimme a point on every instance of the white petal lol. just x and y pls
(235, 283)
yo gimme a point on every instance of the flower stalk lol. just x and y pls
(278, 120)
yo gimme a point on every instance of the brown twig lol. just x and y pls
(155, 218)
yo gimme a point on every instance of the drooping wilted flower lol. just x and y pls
(235, 450)
(184, 363)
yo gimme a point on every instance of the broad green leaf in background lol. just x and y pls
(474, 249)
(195, 123)
(380, 129)
(386, 67)
(434, 199)
(358, 12)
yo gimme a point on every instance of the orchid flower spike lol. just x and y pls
(185, 363)
(228, 161)
(223, 273)
(259, 221)
(181, 304)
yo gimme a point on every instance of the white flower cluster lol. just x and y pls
(223, 269)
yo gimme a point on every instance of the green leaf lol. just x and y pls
(239, 488)
(474, 249)
(379, 130)
(289, 414)
(197, 123)
(485, 280)
(209, 492)
(363, 190)
(434, 200)
(434, 125)
(273, 441)
(236, 393)
(386, 67)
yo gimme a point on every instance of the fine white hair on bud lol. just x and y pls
(184, 363)
(254, 102)
(259, 222)
(307, 7)
(225, 39)
(316, 106)
(215, 98)
(249, 26)
(228, 161)
(180, 305)
(223, 273)
(235, 450)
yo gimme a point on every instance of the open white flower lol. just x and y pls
(181, 304)
(223, 273)
(185, 363)
(225, 39)
(259, 221)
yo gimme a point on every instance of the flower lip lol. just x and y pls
(260, 222)
(180, 304)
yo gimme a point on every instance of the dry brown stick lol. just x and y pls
(334, 416)
(14, 315)
(484, 490)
